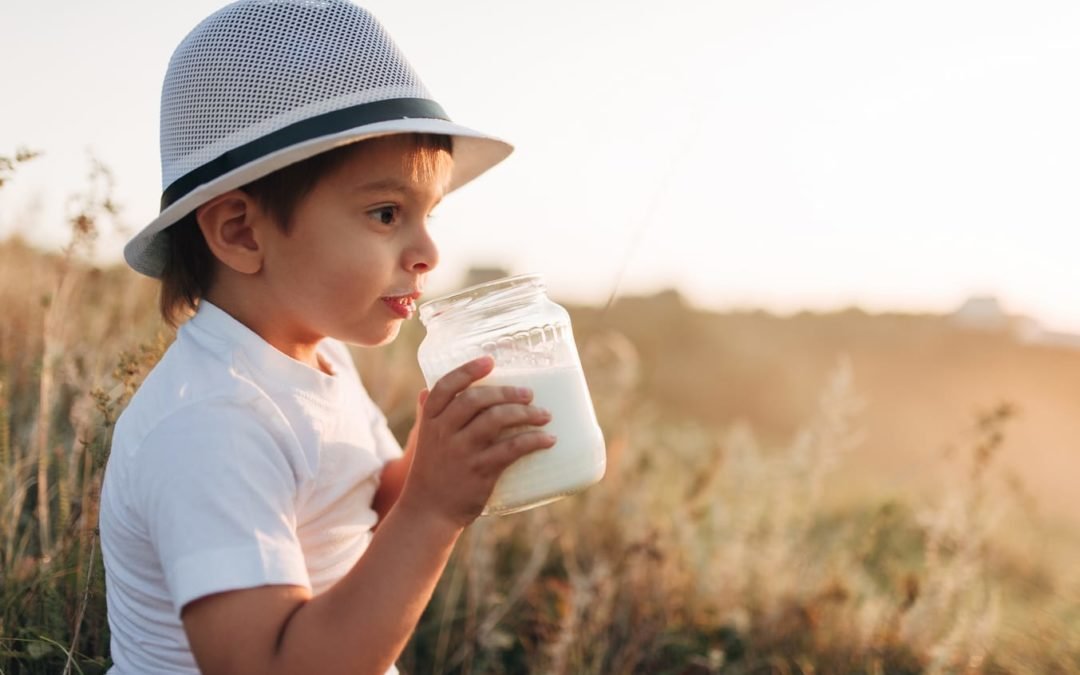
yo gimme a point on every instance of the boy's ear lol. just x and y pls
(232, 228)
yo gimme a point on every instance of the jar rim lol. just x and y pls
(465, 296)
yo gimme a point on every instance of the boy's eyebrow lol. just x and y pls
(383, 184)
(391, 184)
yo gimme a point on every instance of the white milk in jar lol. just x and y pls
(576, 461)
(531, 341)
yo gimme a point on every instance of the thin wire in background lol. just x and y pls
(658, 194)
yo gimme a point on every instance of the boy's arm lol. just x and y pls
(362, 623)
(358, 626)
(391, 482)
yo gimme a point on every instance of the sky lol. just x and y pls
(776, 154)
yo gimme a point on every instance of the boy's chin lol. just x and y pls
(374, 338)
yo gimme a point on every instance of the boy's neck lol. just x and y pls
(271, 328)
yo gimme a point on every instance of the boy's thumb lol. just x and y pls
(422, 399)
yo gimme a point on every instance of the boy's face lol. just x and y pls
(357, 244)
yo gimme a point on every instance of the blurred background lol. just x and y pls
(776, 154)
(820, 257)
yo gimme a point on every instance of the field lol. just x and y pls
(843, 493)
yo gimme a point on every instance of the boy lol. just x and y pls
(301, 158)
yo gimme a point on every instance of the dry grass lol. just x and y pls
(712, 546)
(705, 553)
(62, 384)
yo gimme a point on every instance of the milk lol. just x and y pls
(578, 458)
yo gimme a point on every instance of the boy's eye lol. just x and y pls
(385, 215)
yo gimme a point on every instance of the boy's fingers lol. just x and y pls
(510, 449)
(505, 419)
(476, 400)
(421, 399)
(455, 382)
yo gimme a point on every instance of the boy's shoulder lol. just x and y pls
(190, 378)
(218, 370)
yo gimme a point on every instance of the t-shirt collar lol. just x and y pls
(218, 324)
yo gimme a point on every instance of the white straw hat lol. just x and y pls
(261, 84)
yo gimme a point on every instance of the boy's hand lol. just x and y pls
(462, 444)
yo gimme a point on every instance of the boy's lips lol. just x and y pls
(402, 305)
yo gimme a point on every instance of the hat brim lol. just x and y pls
(474, 153)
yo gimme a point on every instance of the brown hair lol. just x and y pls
(189, 265)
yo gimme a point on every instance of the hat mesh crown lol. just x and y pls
(257, 66)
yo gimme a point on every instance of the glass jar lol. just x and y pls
(530, 338)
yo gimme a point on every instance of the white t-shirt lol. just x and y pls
(233, 466)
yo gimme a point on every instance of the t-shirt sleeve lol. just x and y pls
(218, 483)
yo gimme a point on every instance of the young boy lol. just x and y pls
(301, 158)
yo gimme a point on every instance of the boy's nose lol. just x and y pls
(423, 255)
